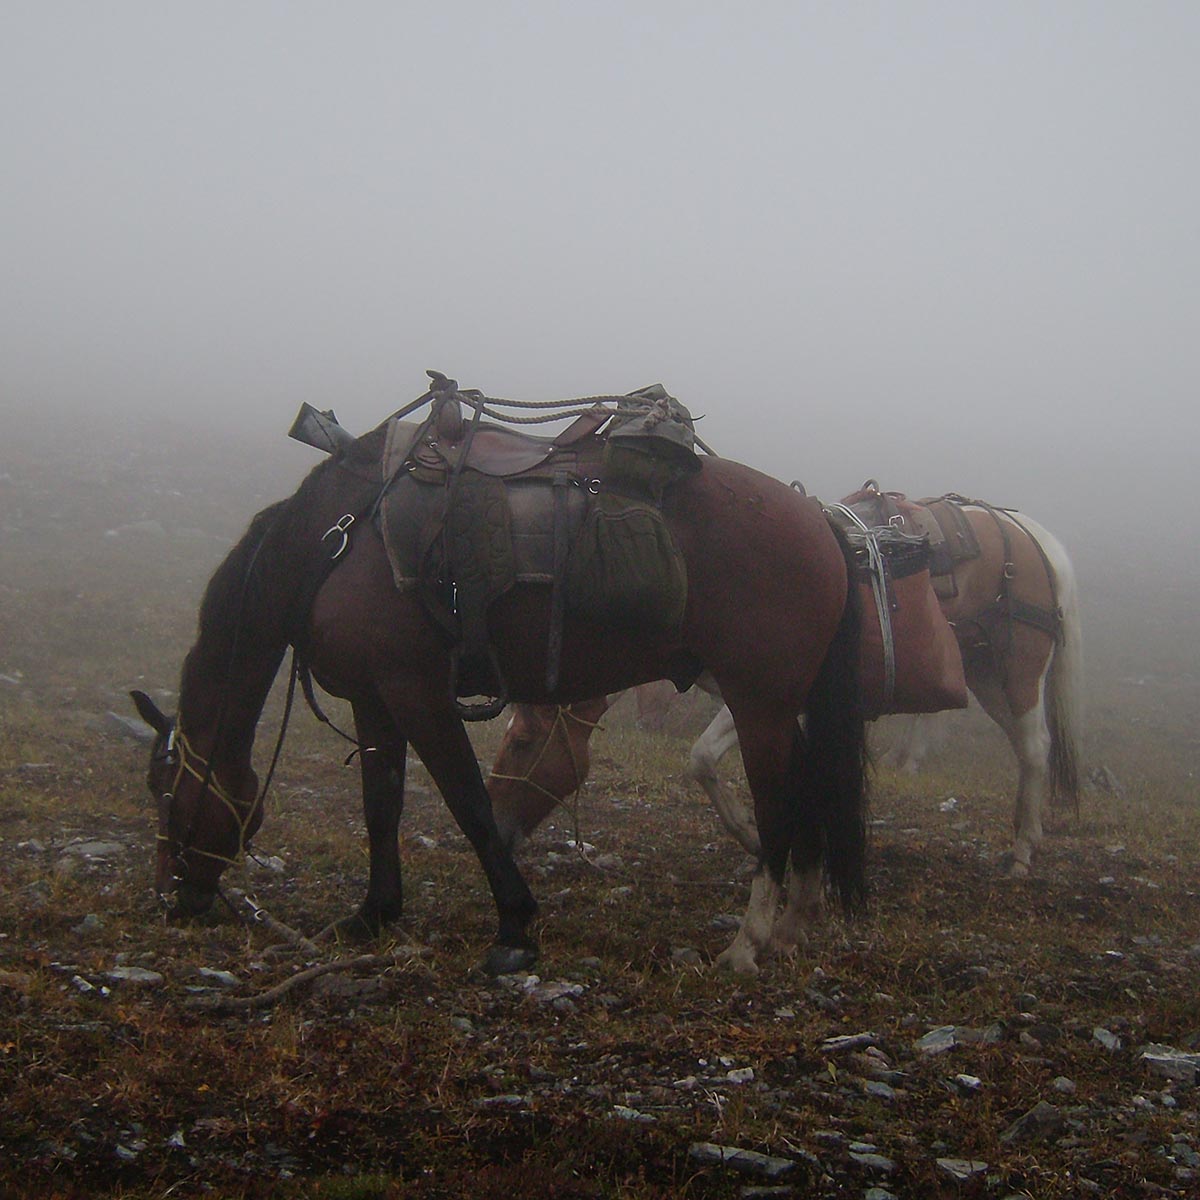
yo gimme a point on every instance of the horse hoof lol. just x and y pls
(1013, 867)
(509, 960)
(354, 929)
(738, 961)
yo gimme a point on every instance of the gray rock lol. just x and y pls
(130, 727)
(224, 978)
(849, 1041)
(961, 1169)
(877, 1163)
(508, 1100)
(1041, 1123)
(748, 1162)
(95, 849)
(139, 976)
(624, 1113)
(1170, 1063)
(546, 993)
(937, 1041)
(1106, 1038)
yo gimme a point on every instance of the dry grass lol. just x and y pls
(423, 1080)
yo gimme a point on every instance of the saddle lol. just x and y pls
(940, 521)
(471, 507)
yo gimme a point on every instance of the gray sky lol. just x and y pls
(952, 245)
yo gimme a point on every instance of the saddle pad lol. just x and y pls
(460, 539)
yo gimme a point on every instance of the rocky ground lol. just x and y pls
(969, 1036)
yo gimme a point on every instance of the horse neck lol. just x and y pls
(241, 641)
(222, 697)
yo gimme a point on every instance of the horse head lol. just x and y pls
(204, 822)
(543, 758)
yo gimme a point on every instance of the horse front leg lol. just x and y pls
(382, 758)
(440, 738)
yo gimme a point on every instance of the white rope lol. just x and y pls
(879, 587)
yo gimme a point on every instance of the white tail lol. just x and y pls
(1064, 678)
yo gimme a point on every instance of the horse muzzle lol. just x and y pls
(190, 899)
(180, 892)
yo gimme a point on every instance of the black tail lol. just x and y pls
(833, 774)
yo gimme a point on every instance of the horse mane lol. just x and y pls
(230, 605)
(230, 579)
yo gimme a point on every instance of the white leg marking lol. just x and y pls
(755, 933)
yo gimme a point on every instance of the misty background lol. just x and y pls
(952, 246)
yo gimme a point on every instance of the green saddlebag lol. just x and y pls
(625, 570)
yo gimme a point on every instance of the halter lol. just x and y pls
(201, 769)
(562, 712)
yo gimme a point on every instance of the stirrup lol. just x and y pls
(486, 709)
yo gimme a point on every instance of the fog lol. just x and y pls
(949, 246)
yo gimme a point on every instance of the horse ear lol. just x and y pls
(151, 713)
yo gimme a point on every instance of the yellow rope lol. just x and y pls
(563, 711)
(208, 777)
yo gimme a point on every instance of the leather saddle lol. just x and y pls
(471, 508)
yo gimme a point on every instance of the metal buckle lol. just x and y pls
(343, 527)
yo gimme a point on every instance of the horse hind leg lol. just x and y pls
(775, 755)
(1029, 736)
(804, 907)
(1031, 743)
(772, 755)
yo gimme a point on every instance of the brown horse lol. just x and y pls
(769, 614)
(1015, 612)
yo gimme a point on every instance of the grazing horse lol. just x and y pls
(769, 614)
(1015, 612)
